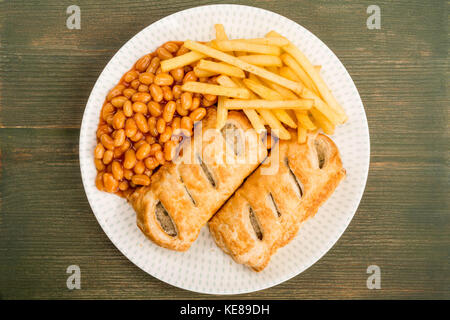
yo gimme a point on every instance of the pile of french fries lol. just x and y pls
(268, 78)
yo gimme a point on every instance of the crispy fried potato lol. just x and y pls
(275, 125)
(298, 70)
(203, 73)
(272, 41)
(181, 61)
(299, 104)
(238, 45)
(220, 32)
(263, 60)
(207, 88)
(304, 120)
(322, 122)
(221, 68)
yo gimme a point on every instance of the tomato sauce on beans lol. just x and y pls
(141, 120)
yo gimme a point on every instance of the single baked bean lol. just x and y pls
(138, 136)
(118, 101)
(141, 180)
(143, 151)
(187, 124)
(186, 100)
(154, 108)
(180, 110)
(127, 174)
(140, 107)
(138, 144)
(128, 109)
(107, 141)
(159, 155)
(163, 53)
(152, 126)
(170, 149)
(104, 128)
(135, 84)
(160, 125)
(158, 71)
(128, 92)
(119, 137)
(171, 47)
(198, 114)
(156, 92)
(109, 119)
(142, 88)
(116, 91)
(182, 50)
(210, 97)
(130, 127)
(155, 148)
(139, 167)
(190, 76)
(148, 172)
(143, 63)
(108, 156)
(195, 103)
(176, 124)
(125, 146)
(150, 140)
(167, 93)
(110, 183)
(117, 170)
(154, 65)
(207, 103)
(107, 110)
(118, 121)
(130, 76)
(99, 181)
(146, 78)
(177, 74)
(163, 79)
(141, 97)
(130, 159)
(151, 163)
(176, 91)
(123, 186)
(169, 111)
(166, 135)
(99, 151)
(99, 164)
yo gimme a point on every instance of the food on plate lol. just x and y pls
(188, 123)
(267, 211)
(184, 195)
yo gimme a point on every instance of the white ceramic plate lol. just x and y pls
(205, 268)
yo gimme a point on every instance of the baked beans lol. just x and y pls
(140, 117)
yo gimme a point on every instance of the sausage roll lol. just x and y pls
(183, 195)
(267, 211)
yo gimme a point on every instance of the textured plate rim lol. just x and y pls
(288, 276)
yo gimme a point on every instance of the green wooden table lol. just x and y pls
(47, 72)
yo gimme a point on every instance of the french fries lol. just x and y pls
(238, 45)
(304, 120)
(272, 41)
(275, 125)
(220, 32)
(262, 60)
(221, 68)
(299, 104)
(297, 69)
(181, 61)
(207, 88)
(203, 73)
(211, 52)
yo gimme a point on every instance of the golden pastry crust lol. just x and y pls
(280, 202)
(186, 194)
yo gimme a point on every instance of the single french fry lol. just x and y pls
(220, 32)
(263, 60)
(285, 93)
(262, 90)
(304, 120)
(320, 105)
(322, 122)
(272, 41)
(317, 79)
(240, 53)
(207, 88)
(198, 47)
(298, 70)
(274, 124)
(221, 68)
(181, 61)
(238, 45)
(253, 117)
(301, 134)
(272, 69)
(299, 104)
(203, 73)
(287, 73)
(222, 113)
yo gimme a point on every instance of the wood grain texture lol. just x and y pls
(46, 224)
